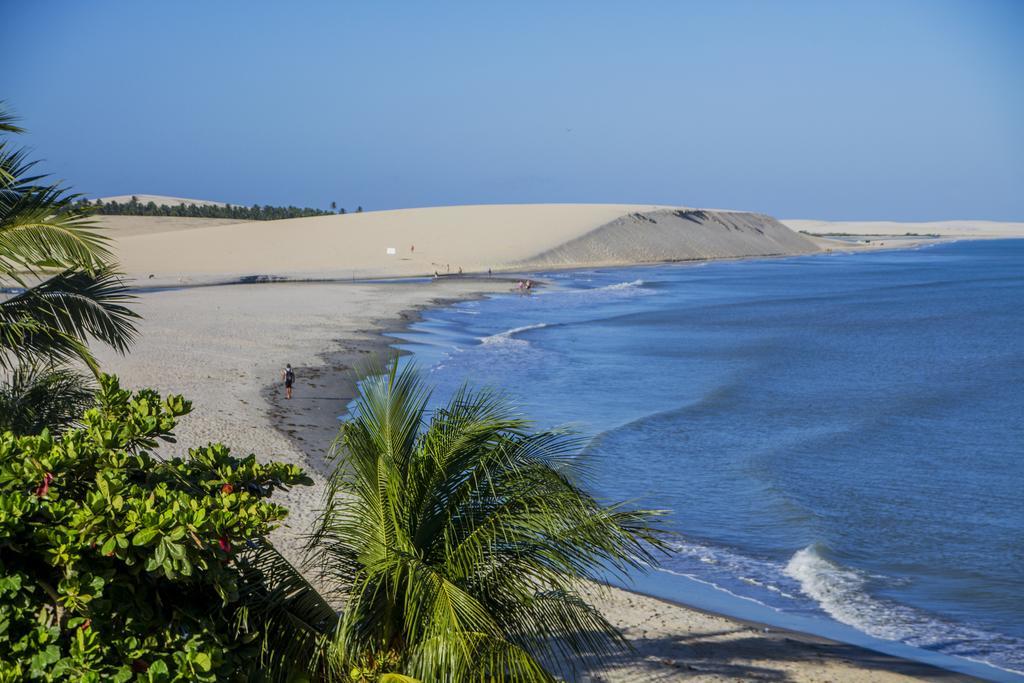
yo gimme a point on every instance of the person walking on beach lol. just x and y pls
(289, 379)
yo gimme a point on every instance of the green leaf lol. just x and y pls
(202, 661)
(160, 556)
(144, 536)
(175, 550)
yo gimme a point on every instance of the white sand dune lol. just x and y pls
(974, 229)
(159, 200)
(118, 227)
(446, 239)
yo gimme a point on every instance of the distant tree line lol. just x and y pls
(245, 213)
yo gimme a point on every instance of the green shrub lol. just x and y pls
(118, 565)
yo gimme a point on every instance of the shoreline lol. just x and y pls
(377, 343)
(341, 370)
(223, 347)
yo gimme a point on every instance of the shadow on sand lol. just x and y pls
(746, 653)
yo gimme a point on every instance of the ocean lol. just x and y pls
(839, 438)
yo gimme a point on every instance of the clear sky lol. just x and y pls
(843, 110)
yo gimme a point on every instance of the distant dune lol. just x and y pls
(118, 227)
(410, 242)
(944, 228)
(159, 199)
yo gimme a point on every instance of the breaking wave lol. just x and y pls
(508, 337)
(842, 593)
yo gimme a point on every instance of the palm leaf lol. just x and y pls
(458, 546)
(7, 120)
(294, 622)
(42, 225)
(57, 317)
(40, 396)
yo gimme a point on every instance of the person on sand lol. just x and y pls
(289, 379)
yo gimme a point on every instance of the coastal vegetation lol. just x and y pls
(457, 548)
(117, 565)
(255, 212)
(114, 564)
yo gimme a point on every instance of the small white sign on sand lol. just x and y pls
(392, 251)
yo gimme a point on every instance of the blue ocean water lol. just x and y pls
(839, 438)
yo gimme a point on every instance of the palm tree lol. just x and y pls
(58, 289)
(59, 270)
(459, 545)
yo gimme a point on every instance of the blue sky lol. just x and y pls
(859, 110)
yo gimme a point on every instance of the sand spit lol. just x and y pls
(677, 235)
(417, 242)
(962, 229)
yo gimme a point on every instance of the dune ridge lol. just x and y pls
(677, 235)
(443, 240)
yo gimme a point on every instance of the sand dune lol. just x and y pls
(159, 199)
(975, 229)
(445, 239)
(678, 235)
(118, 227)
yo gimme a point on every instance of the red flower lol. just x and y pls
(44, 488)
(224, 545)
(227, 488)
(86, 625)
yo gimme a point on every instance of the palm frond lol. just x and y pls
(41, 396)
(58, 316)
(7, 120)
(294, 622)
(42, 225)
(458, 545)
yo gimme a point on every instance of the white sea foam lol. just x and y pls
(508, 337)
(623, 285)
(763, 574)
(841, 592)
(706, 582)
(619, 288)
